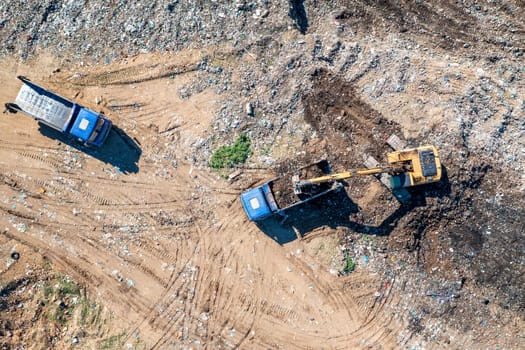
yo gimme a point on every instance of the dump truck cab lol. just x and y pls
(90, 127)
(259, 203)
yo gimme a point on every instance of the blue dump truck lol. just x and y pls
(80, 123)
(278, 195)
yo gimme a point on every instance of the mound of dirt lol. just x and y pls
(283, 186)
(350, 127)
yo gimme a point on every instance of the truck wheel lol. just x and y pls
(15, 255)
(11, 108)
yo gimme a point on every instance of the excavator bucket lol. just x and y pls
(302, 179)
(296, 188)
(303, 188)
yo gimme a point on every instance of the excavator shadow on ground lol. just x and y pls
(119, 150)
(337, 209)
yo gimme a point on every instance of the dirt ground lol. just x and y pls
(166, 249)
(140, 245)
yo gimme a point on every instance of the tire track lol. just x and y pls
(186, 291)
(238, 310)
(35, 156)
(324, 287)
(145, 270)
(136, 74)
(165, 313)
(208, 288)
(268, 308)
(377, 315)
(11, 146)
(199, 324)
(219, 300)
(184, 311)
(102, 201)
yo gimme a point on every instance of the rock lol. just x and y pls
(117, 275)
(249, 109)
(234, 175)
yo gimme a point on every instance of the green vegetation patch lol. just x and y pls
(90, 312)
(67, 287)
(60, 297)
(113, 342)
(349, 265)
(228, 156)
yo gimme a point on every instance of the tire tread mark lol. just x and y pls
(40, 158)
(351, 307)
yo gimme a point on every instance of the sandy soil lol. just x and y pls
(167, 248)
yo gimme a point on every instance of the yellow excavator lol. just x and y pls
(407, 168)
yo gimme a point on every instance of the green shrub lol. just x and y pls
(228, 156)
(350, 265)
(67, 287)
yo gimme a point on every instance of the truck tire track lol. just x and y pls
(323, 286)
(35, 156)
(135, 74)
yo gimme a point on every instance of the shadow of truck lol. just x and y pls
(331, 210)
(119, 150)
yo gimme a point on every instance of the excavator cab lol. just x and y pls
(423, 163)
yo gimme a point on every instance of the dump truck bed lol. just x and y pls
(283, 187)
(45, 106)
(277, 195)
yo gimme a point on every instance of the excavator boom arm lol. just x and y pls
(408, 167)
(342, 176)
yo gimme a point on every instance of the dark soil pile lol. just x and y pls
(350, 126)
(283, 187)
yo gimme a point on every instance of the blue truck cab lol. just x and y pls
(259, 203)
(90, 127)
(265, 200)
(83, 124)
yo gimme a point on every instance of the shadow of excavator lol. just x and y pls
(337, 209)
(119, 150)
